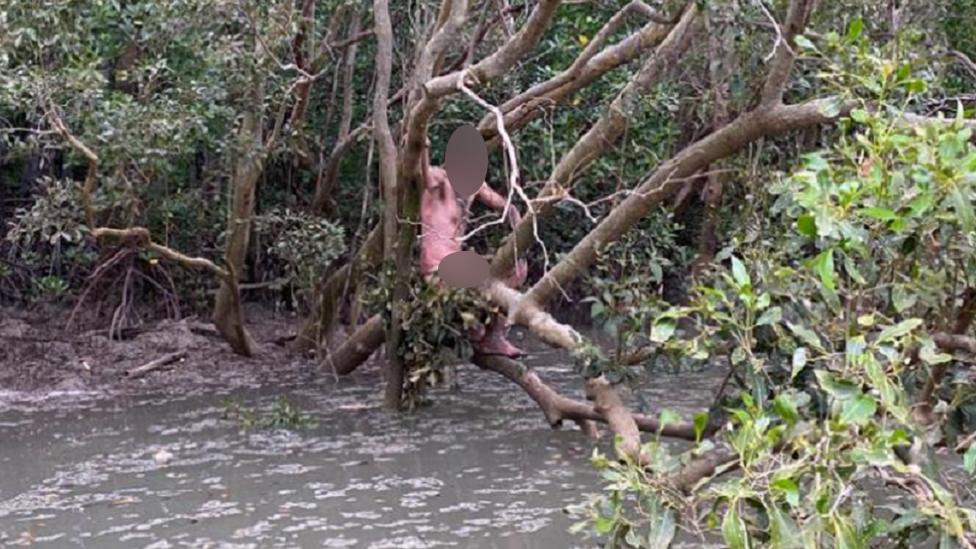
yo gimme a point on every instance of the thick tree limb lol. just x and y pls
(609, 58)
(704, 467)
(357, 349)
(424, 100)
(604, 133)
(666, 179)
(610, 406)
(142, 238)
(322, 200)
(955, 342)
(558, 408)
(532, 103)
(784, 55)
(722, 60)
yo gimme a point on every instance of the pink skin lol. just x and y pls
(442, 225)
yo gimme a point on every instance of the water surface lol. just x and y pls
(478, 468)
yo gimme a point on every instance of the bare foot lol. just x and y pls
(495, 343)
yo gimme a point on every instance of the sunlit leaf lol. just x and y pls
(663, 329)
(806, 225)
(799, 361)
(700, 422)
(841, 389)
(668, 417)
(739, 272)
(788, 488)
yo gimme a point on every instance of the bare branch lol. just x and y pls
(602, 135)
(784, 56)
(513, 178)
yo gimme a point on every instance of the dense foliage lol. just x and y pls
(829, 271)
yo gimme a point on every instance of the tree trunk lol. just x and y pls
(721, 61)
(228, 316)
(394, 248)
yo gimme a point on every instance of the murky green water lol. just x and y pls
(479, 468)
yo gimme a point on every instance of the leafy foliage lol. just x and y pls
(304, 245)
(828, 316)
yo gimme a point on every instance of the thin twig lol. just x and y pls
(513, 176)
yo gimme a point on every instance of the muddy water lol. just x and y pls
(478, 468)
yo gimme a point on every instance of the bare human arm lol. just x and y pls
(497, 202)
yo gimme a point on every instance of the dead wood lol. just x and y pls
(154, 365)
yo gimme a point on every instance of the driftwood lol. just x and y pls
(154, 365)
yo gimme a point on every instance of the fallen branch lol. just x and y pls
(718, 461)
(558, 408)
(357, 349)
(154, 365)
(612, 408)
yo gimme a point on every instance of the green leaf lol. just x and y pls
(804, 42)
(898, 330)
(662, 531)
(883, 214)
(734, 529)
(831, 107)
(838, 388)
(854, 29)
(785, 407)
(903, 298)
(663, 329)
(964, 209)
(770, 316)
(783, 531)
(701, 422)
(823, 265)
(788, 488)
(845, 534)
(859, 411)
(668, 417)
(859, 115)
(969, 459)
(739, 273)
(807, 225)
(930, 356)
(806, 335)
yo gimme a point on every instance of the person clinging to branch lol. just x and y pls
(443, 216)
